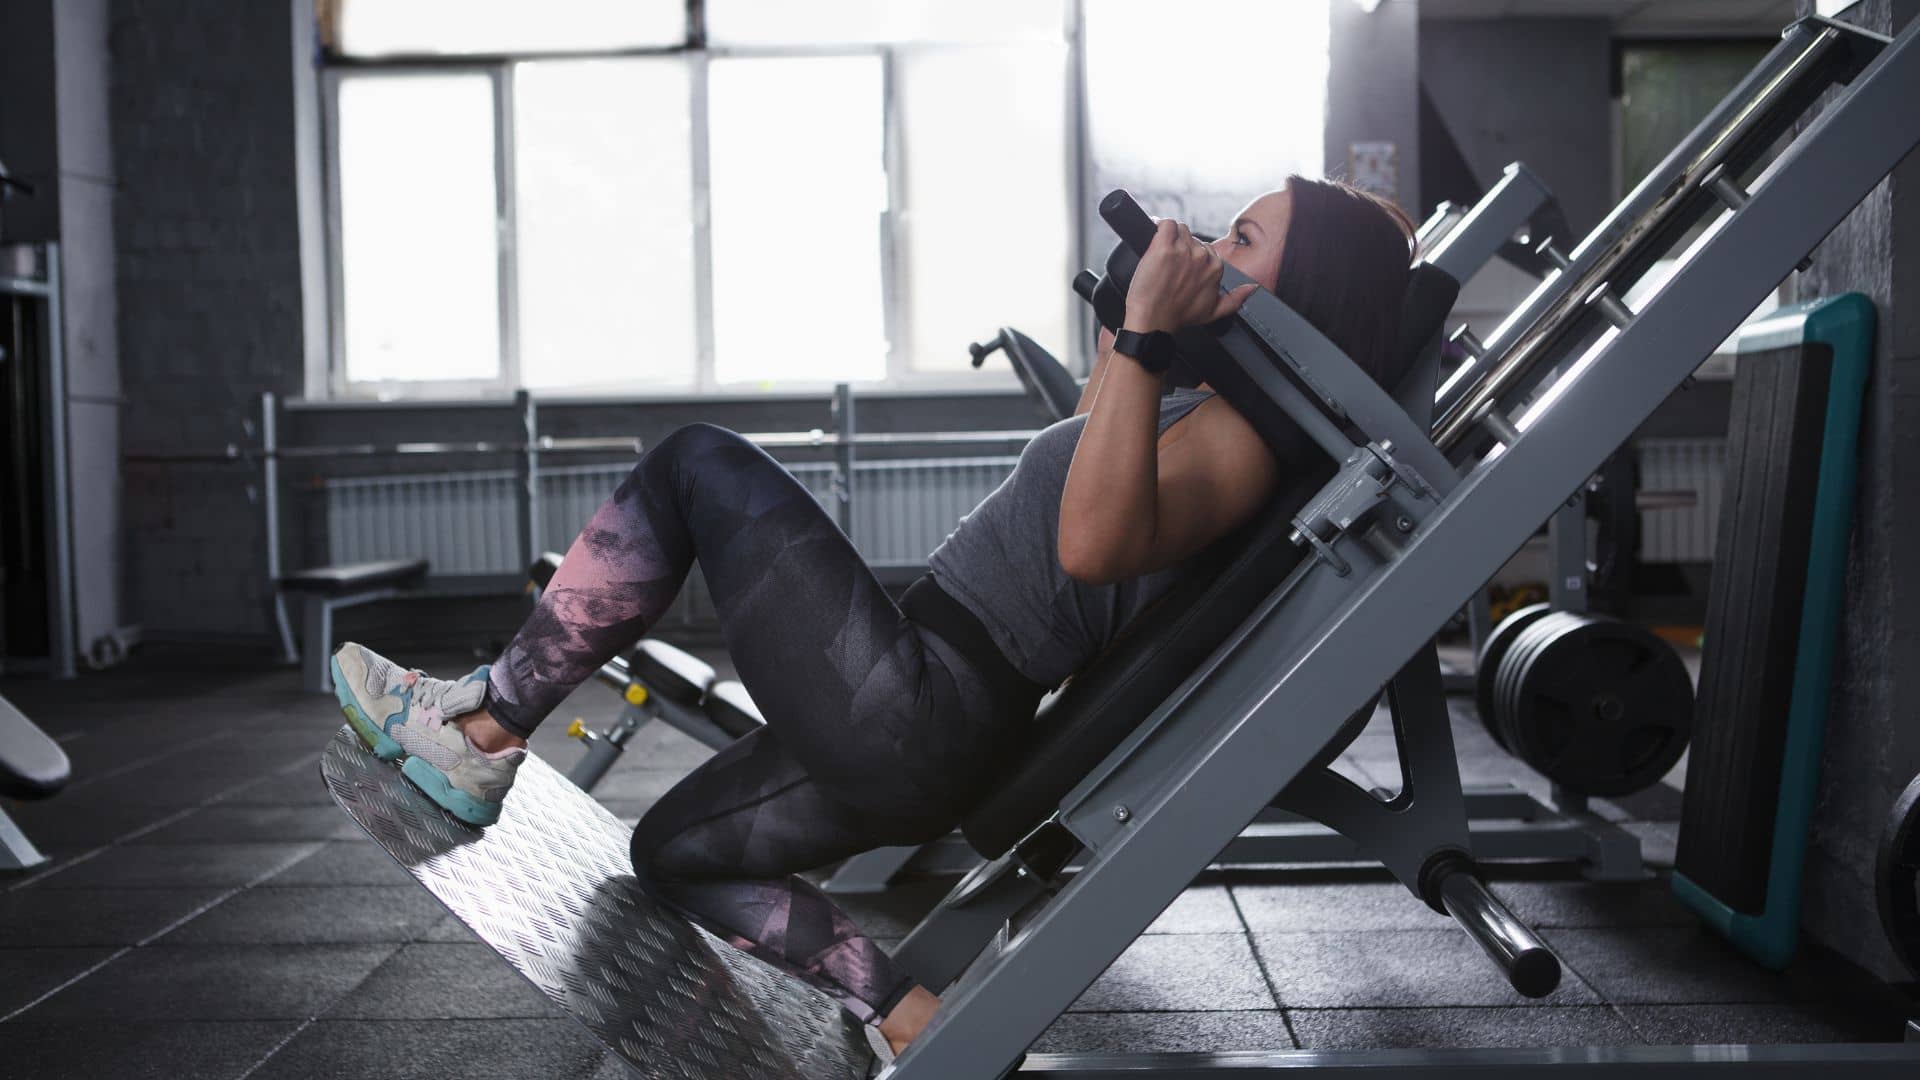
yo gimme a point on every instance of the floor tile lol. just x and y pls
(1201, 909)
(1394, 1029)
(25, 974)
(445, 982)
(1165, 1033)
(345, 862)
(1720, 1025)
(1586, 904)
(1334, 907)
(449, 930)
(314, 915)
(139, 1050)
(139, 866)
(32, 917)
(435, 1050)
(232, 982)
(243, 824)
(1393, 969)
(1180, 973)
(1665, 965)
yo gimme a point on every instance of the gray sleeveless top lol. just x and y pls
(1002, 562)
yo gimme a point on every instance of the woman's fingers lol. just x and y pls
(1230, 302)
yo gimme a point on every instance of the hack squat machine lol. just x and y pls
(1233, 702)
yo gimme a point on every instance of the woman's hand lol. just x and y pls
(1177, 284)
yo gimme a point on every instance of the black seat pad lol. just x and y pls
(732, 710)
(1095, 712)
(354, 577)
(32, 766)
(674, 674)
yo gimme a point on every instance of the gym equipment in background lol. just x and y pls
(1373, 563)
(1594, 704)
(1046, 380)
(32, 766)
(37, 618)
(1896, 877)
(1773, 620)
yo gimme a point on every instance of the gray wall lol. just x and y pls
(1531, 90)
(1873, 744)
(211, 298)
(1373, 88)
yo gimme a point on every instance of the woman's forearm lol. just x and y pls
(1092, 389)
(1107, 511)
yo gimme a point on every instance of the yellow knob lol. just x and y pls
(636, 694)
(577, 729)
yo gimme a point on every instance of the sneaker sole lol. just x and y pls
(382, 744)
(436, 786)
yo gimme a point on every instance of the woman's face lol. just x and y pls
(1257, 238)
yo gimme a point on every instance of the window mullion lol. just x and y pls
(506, 207)
(336, 382)
(705, 376)
(894, 266)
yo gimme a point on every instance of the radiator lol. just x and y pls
(1682, 534)
(465, 523)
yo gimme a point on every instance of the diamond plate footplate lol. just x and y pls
(551, 888)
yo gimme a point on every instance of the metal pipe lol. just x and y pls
(1529, 965)
(1647, 215)
(815, 438)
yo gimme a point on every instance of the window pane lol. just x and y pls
(1195, 134)
(798, 189)
(605, 223)
(986, 226)
(387, 27)
(419, 260)
(846, 22)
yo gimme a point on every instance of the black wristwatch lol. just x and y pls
(1154, 351)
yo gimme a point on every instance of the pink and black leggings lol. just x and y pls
(880, 731)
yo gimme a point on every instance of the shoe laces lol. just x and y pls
(429, 695)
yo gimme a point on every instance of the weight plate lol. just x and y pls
(1896, 877)
(1507, 685)
(1487, 664)
(1598, 706)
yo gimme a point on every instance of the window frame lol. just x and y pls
(899, 376)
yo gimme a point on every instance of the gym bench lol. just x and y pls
(32, 766)
(326, 589)
(1372, 564)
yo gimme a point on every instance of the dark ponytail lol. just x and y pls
(1345, 266)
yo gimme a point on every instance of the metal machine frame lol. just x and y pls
(1517, 219)
(1248, 725)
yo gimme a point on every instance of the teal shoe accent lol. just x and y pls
(458, 803)
(382, 744)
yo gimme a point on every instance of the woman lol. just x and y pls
(885, 721)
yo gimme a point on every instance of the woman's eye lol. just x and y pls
(1240, 238)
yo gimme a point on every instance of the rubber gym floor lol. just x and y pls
(209, 913)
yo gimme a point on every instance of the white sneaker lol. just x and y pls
(404, 714)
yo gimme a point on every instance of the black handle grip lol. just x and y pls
(981, 352)
(1127, 220)
(1084, 284)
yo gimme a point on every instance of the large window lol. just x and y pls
(632, 196)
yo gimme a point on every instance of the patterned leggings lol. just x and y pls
(878, 732)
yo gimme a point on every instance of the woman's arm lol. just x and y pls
(1103, 349)
(1132, 506)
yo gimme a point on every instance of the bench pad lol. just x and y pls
(32, 765)
(550, 887)
(730, 707)
(674, 674)
(354, 577)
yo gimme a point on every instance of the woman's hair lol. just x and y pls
(1345, 268)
